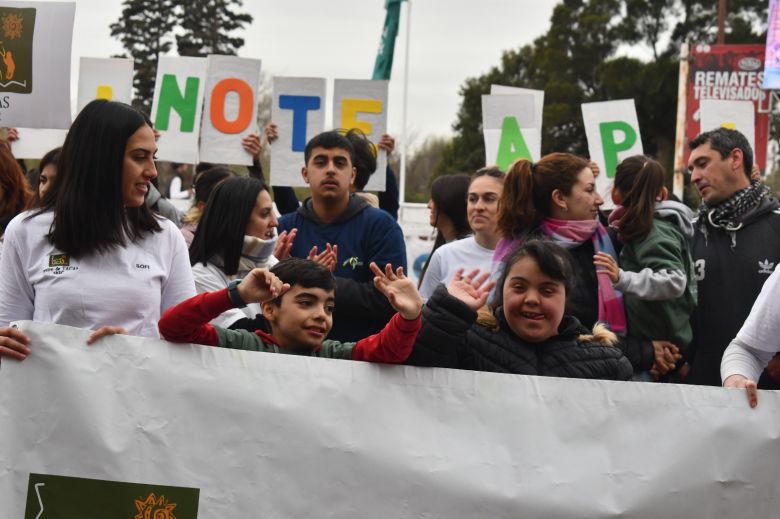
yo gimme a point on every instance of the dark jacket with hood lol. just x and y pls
(731, 267)
(451, 338)
(363, 234)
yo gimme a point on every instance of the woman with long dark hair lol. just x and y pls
(94, 254)
(448, 212)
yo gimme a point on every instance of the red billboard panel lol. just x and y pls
(729, 73)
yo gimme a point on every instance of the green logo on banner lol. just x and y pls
(16, 49)
(612, 146)
(62, 496)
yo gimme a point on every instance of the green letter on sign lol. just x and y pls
(171, 98)
(512, 145)
(611, 146)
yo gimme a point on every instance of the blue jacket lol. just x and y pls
(363, 234)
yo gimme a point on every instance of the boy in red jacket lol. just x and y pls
(297, 298)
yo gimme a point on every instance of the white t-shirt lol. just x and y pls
(129, 286)
(448, 258)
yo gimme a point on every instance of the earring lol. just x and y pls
(566, 208)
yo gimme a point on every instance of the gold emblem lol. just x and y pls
(12, 26)
(154, 508)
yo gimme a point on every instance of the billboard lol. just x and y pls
(728, 73)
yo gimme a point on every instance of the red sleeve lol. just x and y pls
(392, 345)
(189, 320)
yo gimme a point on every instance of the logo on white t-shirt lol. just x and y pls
(59, 264)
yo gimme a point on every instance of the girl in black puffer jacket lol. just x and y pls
(527, 334)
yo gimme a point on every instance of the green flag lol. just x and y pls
(384, 57)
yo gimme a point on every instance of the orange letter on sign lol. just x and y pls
(246, 101)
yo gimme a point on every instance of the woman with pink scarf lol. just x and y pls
(556, 199)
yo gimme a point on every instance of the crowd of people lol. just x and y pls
(527, 274)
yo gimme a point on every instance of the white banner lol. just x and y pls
(362, 104)
(35, 43)
(230, 112)
(612, 130)
(299, 112)
(267, 435)
(105, 78)
(177, 107)
(736, 115)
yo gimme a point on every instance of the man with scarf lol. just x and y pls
(736, 246)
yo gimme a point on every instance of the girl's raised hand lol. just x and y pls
(473, 289)
(399, 290)
(607, 264)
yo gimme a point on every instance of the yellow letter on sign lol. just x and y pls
(351, 107)
(104, 92)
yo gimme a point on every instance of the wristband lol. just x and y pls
(235, 297)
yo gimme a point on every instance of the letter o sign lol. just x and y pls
(246, 99)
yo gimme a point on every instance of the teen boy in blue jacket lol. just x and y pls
(362, 234)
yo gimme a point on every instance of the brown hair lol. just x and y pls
(638, 180)
(528, 188)
(17, 195)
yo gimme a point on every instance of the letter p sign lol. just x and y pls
(616, 137)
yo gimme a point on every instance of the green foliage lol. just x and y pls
(145, 28)
(207, 26)
(421, 168)
(577, 61)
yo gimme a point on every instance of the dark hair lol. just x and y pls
(86, 198)
(364, 158)
(208, 179)
(489, 171)
(223, 225)
(200, 167)
(303, 272)
(17, 194)
(552, 259)
(639, 180)
(329, 140)
(528, 189)
(449, 194)
(724, 141)
(51, 158)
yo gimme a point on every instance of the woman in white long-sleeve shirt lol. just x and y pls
(94, 256)
(756, 343)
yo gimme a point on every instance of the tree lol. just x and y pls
(577, 62)
(207, 25)
(145, 29)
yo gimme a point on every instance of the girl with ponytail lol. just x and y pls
(556, 199)
(656, 270)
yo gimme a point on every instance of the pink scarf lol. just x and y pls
(570, 234)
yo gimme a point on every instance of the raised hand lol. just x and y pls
(261, 285)
(387, 143)
(251, 144)
(326, 258)
(399, 290)
(271, 132)
(473, 289)
(607, 264)
(284, 244)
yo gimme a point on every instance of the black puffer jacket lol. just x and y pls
(450, 338)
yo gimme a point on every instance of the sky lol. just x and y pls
(450, 40)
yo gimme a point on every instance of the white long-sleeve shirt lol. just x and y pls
(759, 338)
(128, 286)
